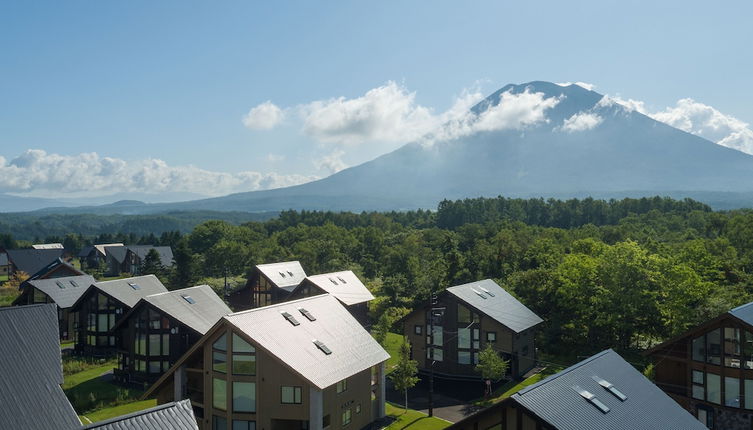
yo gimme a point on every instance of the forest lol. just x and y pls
(624, 274)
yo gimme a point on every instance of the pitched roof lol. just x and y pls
(345, 286)
(3, 259)
(173, 416)
(85, 251)
(744, 312)
(32, 261)
(494, 301)
(73, 287)
(557, 400)
(352, 348)
(123, 290)
(286, 275)
(32, 369)
(101, 246)
(165, 253)
(207, 307)
(118, 252)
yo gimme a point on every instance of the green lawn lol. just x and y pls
(513, 387)
(115, 411)
(7, 295)
(392, 346)
(413, 420)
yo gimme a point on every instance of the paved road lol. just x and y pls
(446, 407)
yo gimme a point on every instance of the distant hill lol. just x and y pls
(626, 154)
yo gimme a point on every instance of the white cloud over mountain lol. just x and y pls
(37, 170)
(581, 122)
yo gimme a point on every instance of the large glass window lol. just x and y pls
(342, 386)
(219, 423)
(219, 354)
(713, 388)
(731, 392)
(747, 350)
(699, 390)
(714, 347)
(219, 394)
(244, 357)
(732, 347)
(347, 415)
(290, 395)
(244, 425)
(699, 348)
(749, 394)
(154, 345)
(464, 338)
(437, 335)
(464, 357)
(244, 396)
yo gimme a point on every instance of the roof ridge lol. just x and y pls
(126, 279)
(279, 262)
(177, 291)
(304, 299)
(331, 273)
(564, 372)
(36, 305)
(740, 307)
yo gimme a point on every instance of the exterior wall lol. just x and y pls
(690, 380)
(502, 416)
(509, 345)
(96, 313)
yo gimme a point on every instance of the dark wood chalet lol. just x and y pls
(268, 284)
(93, 256)
(129, 259)
(601, 392)
(156, 332)
(464, 320)
(709, 369)
(101, 306)
(63, 292)
(31, 261)
(344, 286)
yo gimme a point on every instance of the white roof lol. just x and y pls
(345, 286)
(353, 348)
(48, 246)
(286, 275)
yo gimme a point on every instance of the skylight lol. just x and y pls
(74, 283)
(290, 273)
(189, 299)
(333, 281)
(134, 286)
(480, 294)
(342, 280)
(291, 319)
(322, 347)
(60, 284)
(307, 314)
(591, 399)
(281, 274)
(611, 388)
(486, 291)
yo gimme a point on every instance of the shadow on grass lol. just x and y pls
(99, 392)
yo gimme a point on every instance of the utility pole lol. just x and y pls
(431, 352)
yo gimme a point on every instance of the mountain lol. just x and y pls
(582, 144)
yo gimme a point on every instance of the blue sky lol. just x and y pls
(173, 80)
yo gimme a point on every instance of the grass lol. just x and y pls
(513, 387)
(392, 345)
(413, 420)
(7, 295)
(115, 411)
(91, 392)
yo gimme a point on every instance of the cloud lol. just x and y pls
(273, 158)
(581, 121)
(36, 170)
(264, 116)
(629, 104)
(331, 163)
(589, 87)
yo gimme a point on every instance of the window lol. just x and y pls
(219, 394)
(189, 299)
(437, 334)
(322, 347)
(699, 391)
(714, 347)
(219, 354)
(731, 392)
(713, 388)
(491, 336)
(309, 316)
(219, 423)
(699, 349)
(154, 344)
(418, 329)
(464, 338)
(358, 408)
(747, 351)
(748, 394)
(291, 319)
(290, 395)
(732, 347)
(244, 425)
(342, 386)
(346, 417)
(244, 357)
(154, 367)
(244, 397)
(438, 353)
(465, 316)
(464, 357)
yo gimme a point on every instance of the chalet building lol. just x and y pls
(344, 286)
(304, 364)
(464, 320)
(63, 292)
(56, 269)
(30, 391)
(268, 284)
(93, 256)
(31, 261)
(601, 392)
(172, 416)
(708, 370)
(4, 269)
(156, 332)
(101, 306)
(129, 259)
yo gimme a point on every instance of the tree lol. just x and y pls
(404, 375)
(491, 366)
(152, 264)
(186, 268)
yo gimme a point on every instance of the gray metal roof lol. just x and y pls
(32, 261)
(3, 259)
(744, 312)
(286, 275)
(121, 289)
(73, 288)
(118, 252)
(32, 371)
(170, 416)
(345, 286)
(165, 253)
(201, 315)
(499, 305)
(85, 251)
(353, 348)
(556, 401)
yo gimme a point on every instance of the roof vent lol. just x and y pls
(307, 314)
(333, 281)
(134, 286)
(591, 399)
(480, 294)
(281, 274)
(322, 347)
(486, 291)
(60, 285)
(291, 319)
(342, 280)
(290, 273)
(189, 299)
(611, 388)
(74, 283)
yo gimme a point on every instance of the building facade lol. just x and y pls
(344, 286)
(268, 284)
